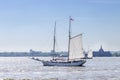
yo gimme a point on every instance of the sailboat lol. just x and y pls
(90, 54)
(75, 51)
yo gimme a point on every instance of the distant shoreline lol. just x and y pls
(57, 54)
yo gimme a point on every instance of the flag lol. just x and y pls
(71, 19)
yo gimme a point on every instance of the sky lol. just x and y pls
(28, 24)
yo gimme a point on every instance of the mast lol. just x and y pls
(69, 36)
(54, 40)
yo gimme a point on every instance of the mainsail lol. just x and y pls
(76, 48)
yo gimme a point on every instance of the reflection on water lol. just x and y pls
(24, 68)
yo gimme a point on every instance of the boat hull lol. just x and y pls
(70, 63)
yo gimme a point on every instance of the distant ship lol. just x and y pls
(75, 51)
(89, 54)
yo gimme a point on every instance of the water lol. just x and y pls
(24, 68)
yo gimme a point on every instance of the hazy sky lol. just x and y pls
(28, 24)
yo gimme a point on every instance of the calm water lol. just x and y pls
(21, 68)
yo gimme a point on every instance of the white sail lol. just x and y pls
(76, 47)
(90, 54)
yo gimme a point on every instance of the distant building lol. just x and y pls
(101, 53)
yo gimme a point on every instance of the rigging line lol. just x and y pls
(48, 39)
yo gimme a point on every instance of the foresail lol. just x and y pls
(76, 47)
